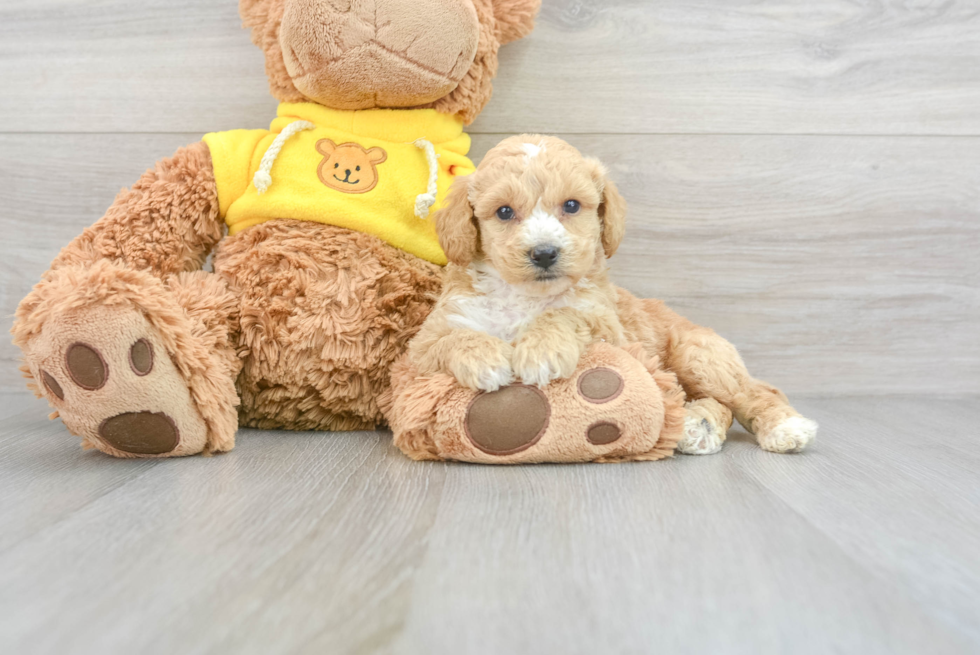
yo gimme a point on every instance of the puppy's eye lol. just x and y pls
(336, 165)
(571, 206)
(358, 168)
(505, 213)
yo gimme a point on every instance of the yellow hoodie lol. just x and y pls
(376, 171)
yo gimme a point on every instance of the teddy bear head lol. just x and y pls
(365, 54)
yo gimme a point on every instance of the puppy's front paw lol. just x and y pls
(491, 378)
(483, 369)
(537, 363)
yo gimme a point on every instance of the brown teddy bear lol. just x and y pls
(331, 262)
(326, 275)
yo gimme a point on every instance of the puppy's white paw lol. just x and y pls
(539, 375)
(700, 437)
(537, 363)
(791, 436)
(492, 378)
(482, 375)
(482, 363)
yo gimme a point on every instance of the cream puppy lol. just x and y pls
(527, 288)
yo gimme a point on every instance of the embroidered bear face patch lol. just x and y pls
(349, 167)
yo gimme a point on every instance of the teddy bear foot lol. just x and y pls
(134, 366)
(615, 407)
(107, 372)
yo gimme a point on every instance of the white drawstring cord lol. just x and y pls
(424, 202)
(263, 176)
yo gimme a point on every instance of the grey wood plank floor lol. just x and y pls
(301, 542)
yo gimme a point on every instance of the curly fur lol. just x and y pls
(496, 321)
(315, 317)
(167, 222)
(324, 313)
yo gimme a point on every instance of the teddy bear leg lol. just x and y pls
(134, 365)
(706, 425)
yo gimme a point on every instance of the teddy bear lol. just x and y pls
(326, 263)
(329, 265)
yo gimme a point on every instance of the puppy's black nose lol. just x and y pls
(544, 257)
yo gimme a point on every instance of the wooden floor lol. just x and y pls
(336, 543)
(804, 177)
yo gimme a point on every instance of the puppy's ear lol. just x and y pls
(612, 210)
(456, 224)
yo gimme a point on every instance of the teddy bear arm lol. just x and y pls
(166, 223)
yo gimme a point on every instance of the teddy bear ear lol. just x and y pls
(325, 147)
(515, 18)
(377, 155)
(263, 17)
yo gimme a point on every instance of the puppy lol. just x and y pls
(527, 289)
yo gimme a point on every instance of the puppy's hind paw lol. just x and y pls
(791, 435)
(700, 437)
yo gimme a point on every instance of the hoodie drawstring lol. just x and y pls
(424, 201)
(263, 176)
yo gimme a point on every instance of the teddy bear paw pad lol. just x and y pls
(601, 385)
(508, 421)
(140, 433)
(604, 433)
(108, 373)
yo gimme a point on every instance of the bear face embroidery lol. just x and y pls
(349, 167)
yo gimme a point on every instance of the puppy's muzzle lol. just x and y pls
(544, 257)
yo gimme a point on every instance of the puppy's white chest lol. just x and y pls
(502, 315)
(501, 310)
